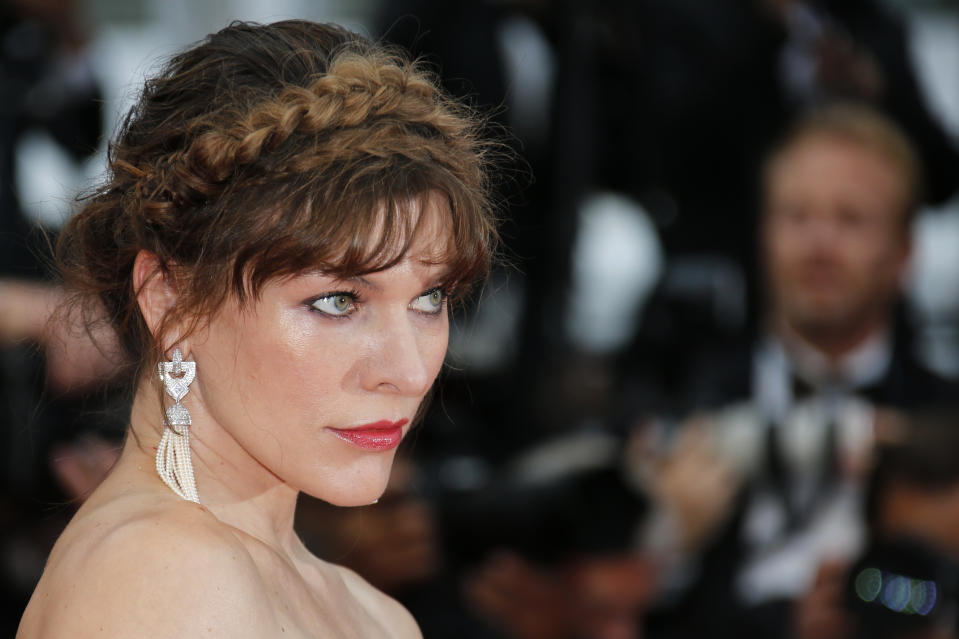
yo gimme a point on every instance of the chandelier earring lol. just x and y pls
(173, 461)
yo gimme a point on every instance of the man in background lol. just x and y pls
(792, 414)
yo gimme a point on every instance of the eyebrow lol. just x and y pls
(433, 261)
(362, 280)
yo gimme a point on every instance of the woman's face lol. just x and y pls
(319, 379)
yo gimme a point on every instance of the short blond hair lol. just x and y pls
(864, 127)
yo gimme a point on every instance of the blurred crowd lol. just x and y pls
(689, 402)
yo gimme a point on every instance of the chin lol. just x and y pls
(824, 325)
(354, 498)
(348, 489)
(821, 310)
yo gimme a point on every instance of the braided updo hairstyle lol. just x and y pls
(271, 150)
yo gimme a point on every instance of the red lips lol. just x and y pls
(381, 435)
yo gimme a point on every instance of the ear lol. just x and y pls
(156, 292)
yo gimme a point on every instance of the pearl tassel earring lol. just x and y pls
(174, 463)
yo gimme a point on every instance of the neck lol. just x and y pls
(233, 486)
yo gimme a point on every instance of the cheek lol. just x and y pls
(783, 254)
(876, 261)
(436, 349)
(431, 346)
(785, 239)
(294, 367)
(266, 369)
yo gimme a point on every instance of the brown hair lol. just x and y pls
(271, 150)
(867, 128)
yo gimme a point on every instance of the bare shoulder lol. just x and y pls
(128, 570)
(396, 619)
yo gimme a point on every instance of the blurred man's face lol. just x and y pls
(834, 237)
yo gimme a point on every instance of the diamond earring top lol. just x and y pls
(177, 376)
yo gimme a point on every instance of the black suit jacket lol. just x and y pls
(710, 608)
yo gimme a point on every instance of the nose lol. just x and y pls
(398, 360)
(820, 234)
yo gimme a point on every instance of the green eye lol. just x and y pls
(337, 304)
(430, 302)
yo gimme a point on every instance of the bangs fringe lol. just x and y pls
(365, 224)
